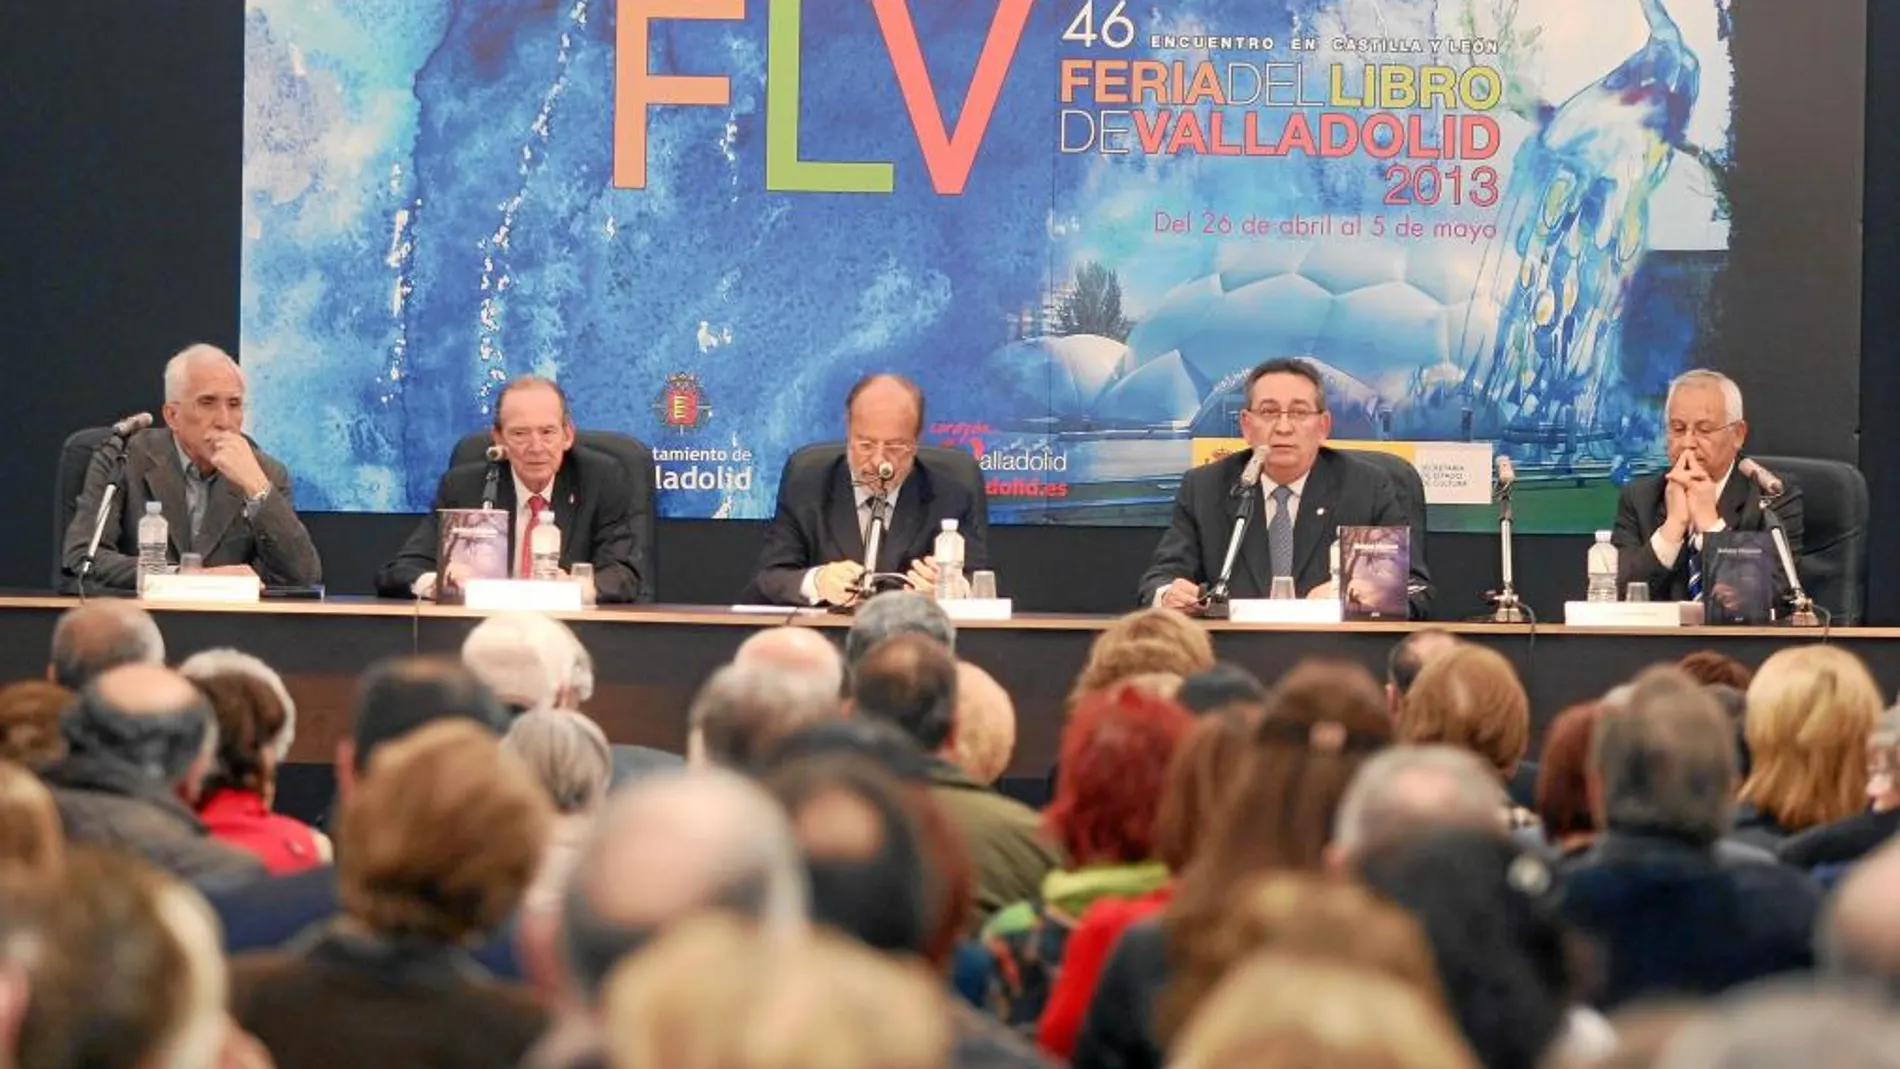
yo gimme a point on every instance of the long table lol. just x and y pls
(650, 659)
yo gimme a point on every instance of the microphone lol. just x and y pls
(1769, 483)
(885, 469)
(492, 476)
(1249, 475)
(495, 453)
(1507, 472)
(131, 424)
(1215, 597)
(1509, 606)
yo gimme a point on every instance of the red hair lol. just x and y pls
(1563, 793)
(1116, 748)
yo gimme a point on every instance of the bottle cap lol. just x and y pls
(152, 508)
(1603, 536)
(949, 525)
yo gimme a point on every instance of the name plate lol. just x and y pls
(1623, 614)
(197, 588)
(522, 595)
(977, 608)
(1285, 611)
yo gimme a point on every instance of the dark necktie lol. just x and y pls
(1695, 569)
(1280, 533)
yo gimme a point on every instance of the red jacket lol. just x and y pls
(241, 819)
(1089, 946)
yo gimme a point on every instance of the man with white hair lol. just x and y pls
(1660, 519)
(222, 497)
(1409, 792)
(800, 651)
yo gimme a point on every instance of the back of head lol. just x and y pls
(1469, 696)
(144, 715)
(1774, 1026)
(1275, 1012)
(1409, 792)
(1116, 747)
(1222, 685)
(29, 722)
(1491, 910)
(100, 635)
(32, 842)
(1563, 773)
(1810, 712)
(129, 972)
(883, 744)
(442, 837)
(863, 853)
(1711, 668)
(567, 754)
(1859, 937)
(224, 661)
(796, 651)
(401, 694)
(1663, 760)
(527, 659)
(669, 847)
(911, 681)
(1143, 642)
(984, 734)
(249, 718)
(897, 612)
(1410, 654)
(743, 710)
(717, 995)
(1206, 765)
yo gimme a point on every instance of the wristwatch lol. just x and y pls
(255, 502)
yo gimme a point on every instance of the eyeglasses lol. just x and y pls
(898, 449)
(1699, 430)
(521, 436)
(1298, 415)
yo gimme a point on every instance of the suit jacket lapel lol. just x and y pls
(505, 501)
(1317, 499)
(222, 505)
(907, 520)
(165, 482)
(564, 501)
(841, 515)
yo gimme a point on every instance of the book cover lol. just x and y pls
(1738, 577)
(473, 545)
(1374, 563)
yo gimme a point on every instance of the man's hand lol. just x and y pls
(837, 582)
(922, 576)
(1328, 589)
(1675, 525)
(1699, 491)
(235, 460)
(1181, 595)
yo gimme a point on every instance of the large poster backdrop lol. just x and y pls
(1075, 222)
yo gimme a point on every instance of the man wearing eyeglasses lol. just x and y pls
(590, 495)
(814, 547)
(1307, 492)
(1660, 519)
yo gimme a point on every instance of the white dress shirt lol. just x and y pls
(523, 515)
(808, 586)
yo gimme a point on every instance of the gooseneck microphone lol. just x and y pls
(113, 450)
(880, 506)
(1215, 598)
(1509, 607)
(1802, 612)
(131, 424)
(492, 476)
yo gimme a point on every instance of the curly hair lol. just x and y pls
(29, 722)
(249, 716)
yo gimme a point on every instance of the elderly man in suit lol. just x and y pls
(1307, 492)
(1660, 519)
(589, 493)
(814, 548)
(222, 497)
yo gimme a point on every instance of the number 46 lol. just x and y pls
(1117, 29)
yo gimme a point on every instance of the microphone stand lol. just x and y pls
(115, 461)
(1802, 613)
(489, 480)
(1215, 600)
(1510, 608)
(873, 539)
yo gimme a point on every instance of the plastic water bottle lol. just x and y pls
(1602, 570)
(154, 534)
(544, 548)
(949, 553)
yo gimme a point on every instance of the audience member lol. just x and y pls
(438, 843)
(1274, 1012)
(1407, 658)
(137, 754)
(1207, 763)
(1831, 846)
(1667, 913)
(100, 635)
(1786, 1025)
(1859, 938)
(124, 974)
(1470, 697)
(31, 840)
(864, 855)
(568, 755)
(1714, 668)
(1563, 781)
(1810, 712)
(1409, 792)
(1510, 965)
(880, 742)
(714, 994)
(744, 710)
(29, 722)
(225, 661)
(893, 613)
(801, 651)
(983, 728)
(526, 658)
(1115, 751)
(235, 801)
(910, 680)
(1734, 706)
(1322, 722)
(1144, 642)
(1218, 687)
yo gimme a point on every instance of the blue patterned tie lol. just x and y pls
(1280, 533)
(1695, 570)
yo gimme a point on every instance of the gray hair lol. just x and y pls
(897, 612)
(744, 709)
(1666, 759)
(525, 658)
(226, 661)
(1731, 393)
(178, 369)
(100, 635)
(567, 752)
(1408, 790)
(1786, 1023)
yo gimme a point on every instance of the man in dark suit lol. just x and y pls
(590, 494)
(222, 497)
(814, 548)
(1307, 492)
(1660, 519)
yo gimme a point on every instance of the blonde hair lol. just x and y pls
(713, 993)
(1810, 712)
(1276, 1012)
(1469, 697)
(1144, 642)
(32, 841)
(985, 733)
